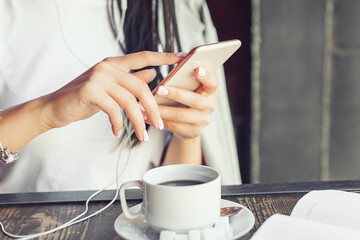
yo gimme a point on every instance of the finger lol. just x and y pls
(146, 75)
(127, 101)
(184, 115)
(111, 108)
(141, 90)
(184, 129)
(188, 98)
(143, 59)
(143, 111)
(145, 117)
(207, 78)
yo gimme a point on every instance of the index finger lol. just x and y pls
(145, 58)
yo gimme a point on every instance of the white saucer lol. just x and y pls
(138, 228)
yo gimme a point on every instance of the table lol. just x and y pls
(26, 213)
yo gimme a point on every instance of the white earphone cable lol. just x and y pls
(119, 36)
(75, 220)
(126, 141)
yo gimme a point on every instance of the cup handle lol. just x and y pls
(124, 206)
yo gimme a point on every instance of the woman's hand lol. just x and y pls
(190, 122)
(108, 86)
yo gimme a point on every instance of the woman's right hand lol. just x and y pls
(108, 86)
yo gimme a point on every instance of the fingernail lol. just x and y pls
(181, 54)
(145, 136)
(160, 124)
(119, 133)
(162, 91)
(154, 71)
(141, 107)
(201, 72)
(145, 117)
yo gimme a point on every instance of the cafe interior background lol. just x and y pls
(294, 87)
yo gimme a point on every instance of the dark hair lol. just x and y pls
(141, 27)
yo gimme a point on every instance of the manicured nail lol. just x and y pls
(181, 54)
(160, 124)
(141, 107)
(145, 136)
(162, 91)
(145, 117)
(154, 71)
(119, 133)
(201, 72)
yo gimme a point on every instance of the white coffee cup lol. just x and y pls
(177, 208)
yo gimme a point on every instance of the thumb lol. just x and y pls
(146, 75)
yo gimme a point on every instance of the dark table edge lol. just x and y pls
(135, 194)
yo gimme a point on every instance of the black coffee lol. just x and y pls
(179, 183)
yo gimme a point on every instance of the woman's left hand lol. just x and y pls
(190, 122)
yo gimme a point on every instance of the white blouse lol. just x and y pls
(43, 46)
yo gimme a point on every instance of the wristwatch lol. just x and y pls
(7, 156)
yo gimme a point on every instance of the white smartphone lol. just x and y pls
(182, 76)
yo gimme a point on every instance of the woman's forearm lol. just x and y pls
(183, 151)
(21, 123)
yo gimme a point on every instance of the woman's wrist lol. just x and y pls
(183, 151)
(21, 123)
(183, 140)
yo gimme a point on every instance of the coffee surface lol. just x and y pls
(179, 183)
